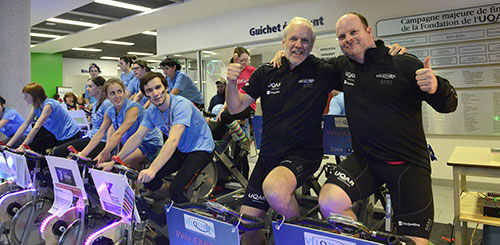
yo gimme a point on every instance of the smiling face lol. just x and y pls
(354, 38)
(93, 71)
(116, 94)
(138, 71)
(155, 91)
(298, 43)
(68, 100)
(243, 60)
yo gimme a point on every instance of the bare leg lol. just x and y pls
(333, 199)
(278, 187)
(253, 237)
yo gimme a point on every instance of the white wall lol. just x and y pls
(231, 29)
(75, 72)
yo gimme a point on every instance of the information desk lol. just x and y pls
(468, 207)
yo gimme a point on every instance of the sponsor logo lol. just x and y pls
(306, 80)
(200, 226)
(273, 88)
(386, 76)
(344, 178)
(341, 122)
(404, 223)
(257, 198)
(315, 239)
(348, 83)
(350, 75)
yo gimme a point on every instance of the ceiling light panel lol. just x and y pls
(140, 53)
(118, 42)
(123, 5)
(84, 18)
(87, 49)
(110, 58)
(34, 34)
(72, 22)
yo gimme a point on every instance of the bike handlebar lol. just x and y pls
(131, 174)
(252, 223)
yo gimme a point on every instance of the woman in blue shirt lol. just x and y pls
(54, 125)
(125, 64)
(125, 117)
(10, 121)
(95, 90)
(179, 83)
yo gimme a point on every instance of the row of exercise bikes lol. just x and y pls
(52, 200)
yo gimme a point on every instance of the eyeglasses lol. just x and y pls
(136, 68)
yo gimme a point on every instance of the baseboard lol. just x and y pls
(475, 185)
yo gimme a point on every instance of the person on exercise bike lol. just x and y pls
(383, 98)
(189, 147)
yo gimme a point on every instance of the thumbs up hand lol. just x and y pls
(426, 79)
(234, 70)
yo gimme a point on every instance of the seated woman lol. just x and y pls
(179, 83)
(125, 116)
(71, 101)
(54, 125)
(10, 121)
(94, 89)
(139, 67)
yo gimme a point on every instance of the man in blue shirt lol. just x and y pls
(189, 147)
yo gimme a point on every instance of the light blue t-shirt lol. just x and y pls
(15, 121)
(127, 78)
(59, 122)
(98, 117)
(186, 86)
(153, 137)
(197, 135)
(337, 105)
(133, 88)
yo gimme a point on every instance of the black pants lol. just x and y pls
(79, 144)
(45, 140)
(220, 128)
(187, 165)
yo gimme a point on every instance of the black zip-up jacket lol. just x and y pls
(384, 105)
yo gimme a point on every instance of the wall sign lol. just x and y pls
(279, 27)
(486, 14)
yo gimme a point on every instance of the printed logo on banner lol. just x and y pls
(200, 226)
(128, 201)
(313, 239)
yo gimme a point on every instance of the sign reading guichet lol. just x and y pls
(277, 28)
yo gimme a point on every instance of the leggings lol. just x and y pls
(220, 128)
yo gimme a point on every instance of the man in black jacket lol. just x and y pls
(383, 98)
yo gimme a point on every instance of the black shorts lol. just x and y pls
(302, 162)
(409, 185)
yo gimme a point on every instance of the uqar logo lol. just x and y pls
(199, 225)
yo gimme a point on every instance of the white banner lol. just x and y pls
(481, 15)
(66, 175)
